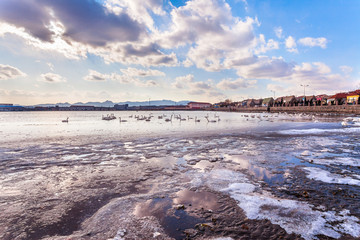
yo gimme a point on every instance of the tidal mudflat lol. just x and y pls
(248, 176)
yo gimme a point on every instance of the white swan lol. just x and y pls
(212, 121)
(122, 120)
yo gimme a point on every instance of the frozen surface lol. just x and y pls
(325, 176)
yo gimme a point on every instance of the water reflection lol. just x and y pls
(259, 173)
(32, 125)
(177, 214)
(196, 200)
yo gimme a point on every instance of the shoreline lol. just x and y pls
(336, 109)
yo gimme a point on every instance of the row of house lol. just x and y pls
(349, 98)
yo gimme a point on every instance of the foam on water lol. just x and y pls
(327, 177)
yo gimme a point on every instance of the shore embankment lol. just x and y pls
(340, 109)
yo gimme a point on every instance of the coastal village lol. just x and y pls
(339, 102)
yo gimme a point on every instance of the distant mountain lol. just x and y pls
(155, 103)
(66, 104)
(111, 104)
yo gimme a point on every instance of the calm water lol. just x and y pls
(97, 179)
(28, 126)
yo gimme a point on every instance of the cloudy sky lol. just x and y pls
(200, 50)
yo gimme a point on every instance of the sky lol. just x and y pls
(198, 50)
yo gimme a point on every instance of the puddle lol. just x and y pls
(180, 213)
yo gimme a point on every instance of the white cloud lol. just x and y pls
(313, 42)
(266, 68)
(214, 36)
(346, 69)
(190, 86)
(52, 78)
(187, 63)
(278, 32)
(9, 72)
(123, 37)
(135, 72)
(317, 74)
(264, 46)
(229, 84)
(290, 44)
(71, 50)
(95, 76)
(122, 79)
(140, 10)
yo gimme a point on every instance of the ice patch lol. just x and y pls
(317, 131)
(346, 161)
(294, 216)
(239, 188)
(307, 131)
(327, 177)
(219, 179)
(305, 153)
(351, 122)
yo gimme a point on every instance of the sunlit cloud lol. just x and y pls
(290, 45)
(230, 84)
(95, 76)
(51, 78)
(313, 42)
(135, 72)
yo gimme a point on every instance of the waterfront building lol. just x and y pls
(257, 102)
(337, 99)
(250, 103)
(198, 105)
(81, 108)
(121, 107)
(288, 101)
(268, 102)
(353, 97)
(6, 107)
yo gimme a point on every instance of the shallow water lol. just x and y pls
(294, 175)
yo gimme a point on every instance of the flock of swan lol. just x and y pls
(148, 118)
(171, 117)
(347, 122)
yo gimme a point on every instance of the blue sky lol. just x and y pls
(199, 50)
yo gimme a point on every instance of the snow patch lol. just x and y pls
(327, 177)
(346, 161)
